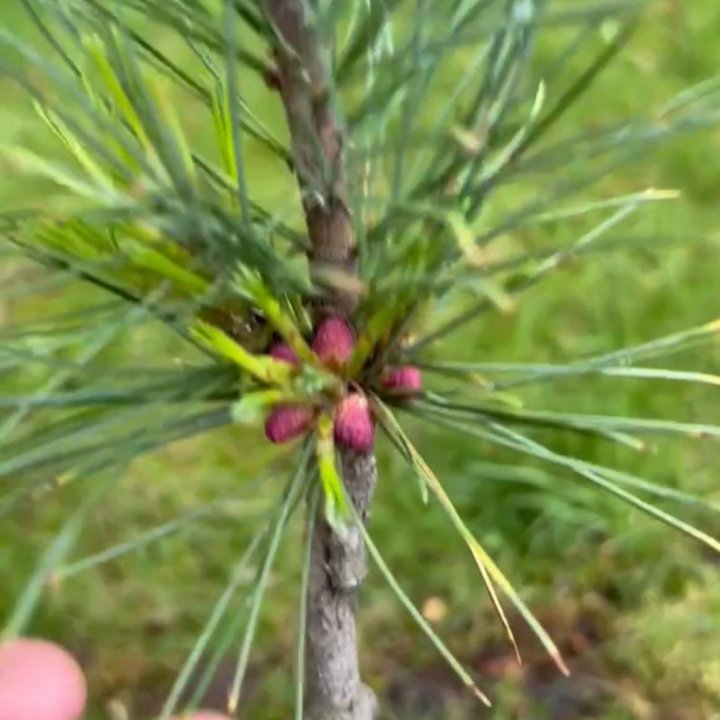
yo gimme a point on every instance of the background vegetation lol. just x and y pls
(632, 605)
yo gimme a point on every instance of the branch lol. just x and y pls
(334, 688)
(338, 567)
(317, 148)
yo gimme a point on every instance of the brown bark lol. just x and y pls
(317, 149)
(334, 690)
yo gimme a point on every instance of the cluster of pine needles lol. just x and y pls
(192, 220)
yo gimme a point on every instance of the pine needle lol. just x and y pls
(452, 661)
(491, 573)
(294, 491)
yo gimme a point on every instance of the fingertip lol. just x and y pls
(39, 680)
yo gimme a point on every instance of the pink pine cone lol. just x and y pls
(406, 379)
(39, 681)
(334, 342)
(281, 351)
(287, 422)
(353, 423)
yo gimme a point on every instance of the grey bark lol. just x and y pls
(334, 690)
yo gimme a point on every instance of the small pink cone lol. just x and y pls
(406, 379)
(353, 423)
(334, 342)
(281, 351)
(287, 422)
(40, 681)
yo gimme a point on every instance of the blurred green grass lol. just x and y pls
(632, 603)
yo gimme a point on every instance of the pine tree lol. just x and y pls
(392, 129)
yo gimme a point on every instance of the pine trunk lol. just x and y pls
(333, 686)
(334, 689)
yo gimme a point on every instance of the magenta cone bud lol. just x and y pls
(353, 423)
(405, 379)
(281, 351)
(39, 681)
(334, 342)
(286, 422)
